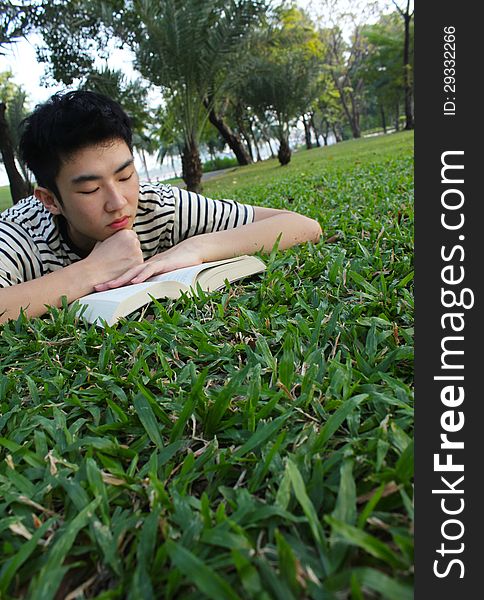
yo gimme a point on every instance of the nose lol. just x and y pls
(114, 199)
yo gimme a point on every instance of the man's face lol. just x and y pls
(99, 187)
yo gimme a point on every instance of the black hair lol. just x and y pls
(66, 123)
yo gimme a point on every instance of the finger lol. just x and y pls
(148, 271)
(119, 281)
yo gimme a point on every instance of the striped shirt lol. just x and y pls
(33, 241)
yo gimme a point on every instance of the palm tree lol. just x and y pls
(278, 87)
(218, 118)
(183, 46)
(12, 111)
(15, 22)
(282, 70)
(19, 188)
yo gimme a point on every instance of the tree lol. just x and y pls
(297, 34)
(167, 133)
(344, 63)
(15, 22)
(213, 141)
(327, 113)
(75, 33)
(183, 46)
(180, 45)
(12, 110)
(274, 87)
(282, 74)
(232, 138)
(407, 15)
(382, 70)
(347, 53)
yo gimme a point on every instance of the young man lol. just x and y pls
(91, 225)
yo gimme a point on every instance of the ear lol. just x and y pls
(48, 199)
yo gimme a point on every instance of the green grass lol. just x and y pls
(219, 163)
(5, 197)
(306, 164)
(254, 443)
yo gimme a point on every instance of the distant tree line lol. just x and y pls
(234, 73)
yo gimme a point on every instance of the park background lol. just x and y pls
(257, 442)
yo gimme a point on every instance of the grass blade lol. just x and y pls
(371, 544)
(148, 420)
(201, 575)
(300, 492)
(335, 420)
(45, 585)
(12, 565)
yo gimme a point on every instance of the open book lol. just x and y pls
(119, 302)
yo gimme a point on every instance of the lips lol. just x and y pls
(119, 223)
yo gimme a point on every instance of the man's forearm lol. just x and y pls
(261, 235)
(258, 236)
(73, 281)
(108, 259)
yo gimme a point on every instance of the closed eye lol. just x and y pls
(126, 178)
(89, 192)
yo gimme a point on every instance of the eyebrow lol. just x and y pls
(86, 177)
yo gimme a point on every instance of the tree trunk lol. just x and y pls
(268, 142)
(409, 121)
(355, 118)
(284, 154)
(352, 114)
(257, 151)
(231, 139)
(353, 121)
(18, 187)
(240, 124)
(192, 167)
(307, 133)
(145, 165)
(172, 160)
(337, 134)
(254, 141)
(211, 151)
(249, 145)
(325, 131)
(316, 132)
(383, 120)
(397, 117)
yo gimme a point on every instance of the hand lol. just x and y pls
(114, 256)
(182, 255)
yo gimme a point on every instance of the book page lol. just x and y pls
(188, 274)
(112, 304)
(117, 294)
(185, 275)
(215, 278)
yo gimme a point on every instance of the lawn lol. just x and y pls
(254, 443)
(5, 197)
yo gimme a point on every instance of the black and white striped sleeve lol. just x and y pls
(195, 214)
(19, 257)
